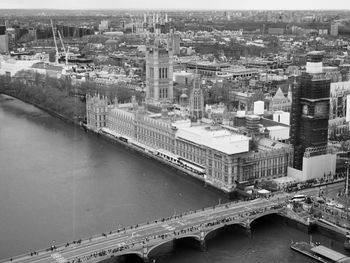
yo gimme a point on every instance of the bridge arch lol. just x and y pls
(244, 223)
(220, 226)
(268, 213)
(130, 254)
(194, 238)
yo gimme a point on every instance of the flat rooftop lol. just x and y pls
(328, 253)
(216, 138)
(265, 144)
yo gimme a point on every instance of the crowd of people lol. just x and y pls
(146, 240)
(142, 242)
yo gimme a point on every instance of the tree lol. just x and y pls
(50, 94)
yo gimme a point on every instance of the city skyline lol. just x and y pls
(180, 5)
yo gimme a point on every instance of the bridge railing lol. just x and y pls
(155, 241)
(27, 256)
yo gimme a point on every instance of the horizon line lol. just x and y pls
(172, 9)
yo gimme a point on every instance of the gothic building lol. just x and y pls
(159, 73)
(281, 102)
(96, 110)
(196, 102)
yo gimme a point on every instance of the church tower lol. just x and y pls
(196, 102)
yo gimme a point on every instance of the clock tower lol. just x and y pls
(310, 110)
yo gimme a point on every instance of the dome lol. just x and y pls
(183, 96)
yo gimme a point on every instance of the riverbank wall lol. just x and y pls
(229, 194)
(232, 195)
(307, 227)
(315, 225)
(334, 232)
(51, 112)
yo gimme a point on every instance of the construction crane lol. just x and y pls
(64, 49)
(54, 39)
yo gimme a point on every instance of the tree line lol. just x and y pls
(59, 95)
(47, 93)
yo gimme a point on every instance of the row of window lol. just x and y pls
(264, 173)
(95, 109)
(162, 73)
(154, 143)
(192, 157)
(163, 93)
(100, 118)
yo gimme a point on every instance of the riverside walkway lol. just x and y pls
(141, 239)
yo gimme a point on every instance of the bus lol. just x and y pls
(298, 198)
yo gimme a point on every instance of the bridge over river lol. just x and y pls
(141, 239)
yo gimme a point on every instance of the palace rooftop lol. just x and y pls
(216, 138)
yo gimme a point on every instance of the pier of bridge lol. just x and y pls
(141, 240)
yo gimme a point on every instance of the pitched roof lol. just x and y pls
(279, 94)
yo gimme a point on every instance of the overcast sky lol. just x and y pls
(177, 4)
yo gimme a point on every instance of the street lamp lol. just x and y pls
(347, 178)
(346, 189)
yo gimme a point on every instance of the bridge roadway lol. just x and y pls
(143, 238)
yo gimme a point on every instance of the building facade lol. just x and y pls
(196, 102)
(222, 157)
(338, 108)
(97, 110)
(279, 102)
(206, 69)
(226, 168)
(122, 122)
(153, 132)
(159, 73)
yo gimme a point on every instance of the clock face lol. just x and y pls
(321, 109)
(305, 110)
(318, 109)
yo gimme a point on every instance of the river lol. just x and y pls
(58, 184)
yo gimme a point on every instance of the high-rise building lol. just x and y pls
(174, 43)
(32, 33)
(4, 44)
(334, 29)
(310, 111)
(159, 73)
(103, 26)
(2, 29)
(4, 40)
